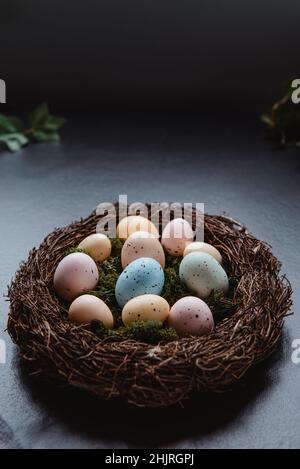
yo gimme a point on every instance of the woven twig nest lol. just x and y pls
(139, 373)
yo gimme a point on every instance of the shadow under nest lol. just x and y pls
(140, 373)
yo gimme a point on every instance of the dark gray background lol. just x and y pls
(99, 54)
(95, 61)
(158, 157)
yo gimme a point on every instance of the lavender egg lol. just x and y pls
(191, 316)
(76, 274)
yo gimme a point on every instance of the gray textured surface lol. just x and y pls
(229, 168)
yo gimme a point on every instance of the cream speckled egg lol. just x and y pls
(176, 235)
(191, 316)
(143, 234)
(136, 247)
(76, 274)
(202, 274)
(132, 223)
(198, 246)
(96, 245)
(88, 307)
(145, 308)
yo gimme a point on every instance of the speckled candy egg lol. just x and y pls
(139, 246)
(76, 274)
(86, 308)
(191, 316)
(142, 276)
(145, 308)
(202, 274)
(96, 245)
(133, 223)
(176, 235)
(198, 246)
(142, 234)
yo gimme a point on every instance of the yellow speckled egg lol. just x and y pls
(133, 223)
(96, 245)
(145, 308)
(203, 247)
(88, 307)
(176, 235)
(140, 246)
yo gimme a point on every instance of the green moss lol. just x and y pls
(116, 247)
(72, 250)
(174, 289)
(222, 305)
(151, 332)
(109, 272)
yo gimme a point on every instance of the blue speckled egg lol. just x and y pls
(141, 277)
(202, 274)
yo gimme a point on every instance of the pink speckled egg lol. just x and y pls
(76, 274)
(191, 316)
(140, 246)
(176, 235)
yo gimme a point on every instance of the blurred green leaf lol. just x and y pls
(41, 136)
(39, 116)
(13, 141)
(43, 127)
(54, 123)
(10, 124)
(17, 123)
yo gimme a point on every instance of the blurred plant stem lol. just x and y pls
(283, 120)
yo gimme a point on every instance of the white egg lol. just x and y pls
(198, 246)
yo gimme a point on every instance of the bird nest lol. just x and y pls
(140, 373)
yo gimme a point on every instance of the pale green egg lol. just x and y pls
(202, 274)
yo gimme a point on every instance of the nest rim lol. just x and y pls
(142, 374)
